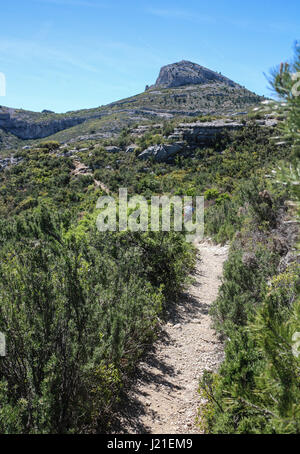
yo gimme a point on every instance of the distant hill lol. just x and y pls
(182, 89)
(186, 73)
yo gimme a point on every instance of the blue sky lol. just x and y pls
(71, 54)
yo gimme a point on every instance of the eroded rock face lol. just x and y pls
(6, 162)
(189, 136)
(186, 73)
(113, 149)
(163, 152)
(31, 130)
(131, 148)
(203, 133)
(158, 103)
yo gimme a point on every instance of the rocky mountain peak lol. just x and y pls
(188, 73)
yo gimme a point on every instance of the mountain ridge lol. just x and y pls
(186, 72)
(194, 91)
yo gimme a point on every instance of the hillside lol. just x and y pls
(132, 330)
(186, 94)
(186, 73)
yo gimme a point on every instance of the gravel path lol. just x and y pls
(164, 398)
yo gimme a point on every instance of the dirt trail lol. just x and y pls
(164, 398)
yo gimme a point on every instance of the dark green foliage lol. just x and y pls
(77, 315)
(243, 287)
(80, 307)
(257, 389)
(51, 145)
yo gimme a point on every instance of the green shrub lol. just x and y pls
(50, 145)
(211, 194)
(77, 315)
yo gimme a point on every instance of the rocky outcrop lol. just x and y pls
(26, 128)
(188, 73)
(203, 133)
(217, 95)
(142, 129)
(6, 162)
(163, 152)
(113, 149)
(189, 136)
(35, 130)
(131, 148)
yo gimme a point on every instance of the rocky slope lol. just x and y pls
(186, 137)
(182, 89)
(187, 73)
(23, 129)
(183, 141)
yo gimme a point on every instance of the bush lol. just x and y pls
(77, 315)
(51, 145)
(257, 387)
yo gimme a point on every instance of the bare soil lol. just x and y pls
(163, 398)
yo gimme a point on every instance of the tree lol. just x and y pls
(285, 81)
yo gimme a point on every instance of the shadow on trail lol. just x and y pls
(154, 371)
(128, 419)
(190, 306)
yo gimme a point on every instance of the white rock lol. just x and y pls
(177, 326)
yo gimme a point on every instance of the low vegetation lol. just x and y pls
(79, 307)
(257, 389)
